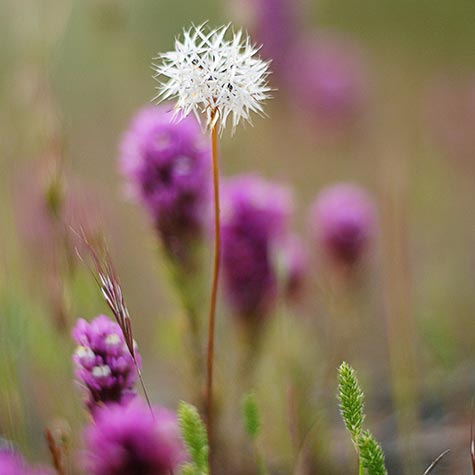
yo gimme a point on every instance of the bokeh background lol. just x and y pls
(377, 93)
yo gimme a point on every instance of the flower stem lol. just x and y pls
(214, 287)
(360, 465)
(185, 284)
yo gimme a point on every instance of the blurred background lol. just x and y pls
(376, 93)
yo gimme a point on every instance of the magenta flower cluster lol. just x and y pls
(130, 440)
(166, 164)
(343, 221)
(254, 219)
(102, 362)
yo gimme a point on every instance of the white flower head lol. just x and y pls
(215, 72)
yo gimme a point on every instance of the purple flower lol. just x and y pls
(166, 164)
(12, 463)
(274, 24)
(103, 363)
(293, 266)
(326, 78)
(254, 219)
(343, 221)
(130, 440)
(276, 27)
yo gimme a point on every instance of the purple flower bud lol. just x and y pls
(166, 164)
(343, 221)
(102, 362)
(326, 78)
(254, 219)
(12, 463)
(127, 440)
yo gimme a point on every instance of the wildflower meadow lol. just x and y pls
(236, 237)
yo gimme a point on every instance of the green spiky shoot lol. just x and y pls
(371, 455)
(195, 438)
(351, 399)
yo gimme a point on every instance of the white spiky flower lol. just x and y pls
(215, 72)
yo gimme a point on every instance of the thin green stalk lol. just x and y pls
(185, 287)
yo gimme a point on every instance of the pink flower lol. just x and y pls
(326, 78)
(255, 215)
(129, 440)
(102, 361)
(12, 463)
(166, 164)
(343, 222)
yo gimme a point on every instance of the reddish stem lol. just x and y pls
(214, 287)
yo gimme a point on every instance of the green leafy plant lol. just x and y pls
(351, 399)
(195, 438)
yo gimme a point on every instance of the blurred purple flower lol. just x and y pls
(166, 164)
(343, 221)
(292, 262)
(12, 463)
(276, 27)
(326, 78)
(130, 440)
(254, 219)
(274, 24)
(103, 363)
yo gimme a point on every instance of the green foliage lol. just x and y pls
(371, 455)
(252, 422)
(351, 398)
(195, 438)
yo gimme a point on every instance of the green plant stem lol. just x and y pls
(261, 464)
(360, 466)
(185, 288)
